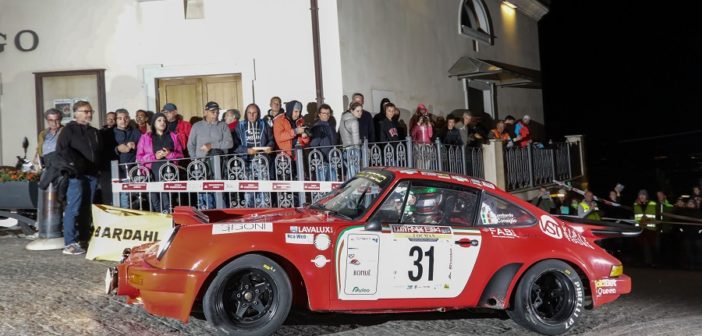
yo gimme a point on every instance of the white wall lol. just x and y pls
(139, 41)
(407, 47)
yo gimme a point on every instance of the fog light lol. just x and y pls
(136, 279)
(616, 271)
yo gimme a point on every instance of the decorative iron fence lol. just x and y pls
(530, 166)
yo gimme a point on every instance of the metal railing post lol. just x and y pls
(299, 163)
(530, 163)
(364, 154)
(217, 170)
(570, 171)
(553, 164)
(410, 154)
(463, 159)
(439, 162)
(114, 176)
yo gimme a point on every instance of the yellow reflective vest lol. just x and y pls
(649, 211)
(595, 215)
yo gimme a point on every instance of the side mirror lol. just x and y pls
(373, 225)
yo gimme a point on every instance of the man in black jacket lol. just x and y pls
(124, 146)
(80, 137)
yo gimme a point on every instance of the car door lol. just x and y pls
(426, 248)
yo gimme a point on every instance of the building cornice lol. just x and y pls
(531, 8)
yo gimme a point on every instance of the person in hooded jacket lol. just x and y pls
(154, 148)
(253, 136)
(324, 136)
(288, 128)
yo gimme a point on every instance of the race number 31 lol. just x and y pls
(417, 253)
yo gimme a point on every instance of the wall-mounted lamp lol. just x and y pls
(509, 4)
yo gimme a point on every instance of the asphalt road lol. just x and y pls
(48, 293)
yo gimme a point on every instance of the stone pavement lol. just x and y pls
(48, 293)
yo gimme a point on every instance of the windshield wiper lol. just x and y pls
(339, 214)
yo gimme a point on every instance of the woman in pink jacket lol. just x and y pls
(422, 131)
(153, 149)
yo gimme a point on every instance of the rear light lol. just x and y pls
(616, 271)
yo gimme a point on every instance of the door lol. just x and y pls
(427, 250)
(191, 94)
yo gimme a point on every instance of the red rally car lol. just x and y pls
(388, 240)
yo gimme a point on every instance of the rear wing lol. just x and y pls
(608, 227)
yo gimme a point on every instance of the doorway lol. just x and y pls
(191, 93)
(480, 99)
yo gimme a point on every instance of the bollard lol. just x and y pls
(48, 222)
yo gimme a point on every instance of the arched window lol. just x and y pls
(475, 21)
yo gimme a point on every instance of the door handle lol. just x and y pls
(466, 242)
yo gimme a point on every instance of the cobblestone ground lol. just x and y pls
(47, 293)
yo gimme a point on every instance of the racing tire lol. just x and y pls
(549, 298)
(249, 296)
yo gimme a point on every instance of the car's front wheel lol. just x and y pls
(249, 296)
(549, 298)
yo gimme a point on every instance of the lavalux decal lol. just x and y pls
(126, 234)
(322, 241)
(241, 227)
(502, 233)
(299, 238)
(320, 261)
(421, 231)
(311, 229)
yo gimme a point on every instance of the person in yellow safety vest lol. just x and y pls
(645, 208)
(645, 211)
(588, 208)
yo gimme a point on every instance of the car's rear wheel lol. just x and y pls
(549, 298)
(249, 296)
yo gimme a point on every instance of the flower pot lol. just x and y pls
(18, 195)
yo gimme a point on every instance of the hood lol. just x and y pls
(347, 116)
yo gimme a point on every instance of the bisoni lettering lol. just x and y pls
(241, 227)
(125, 234)
(365, 273)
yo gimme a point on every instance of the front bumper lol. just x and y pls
(163, 292)
(609, 289)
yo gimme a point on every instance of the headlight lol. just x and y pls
(616, 271)
(166, 242)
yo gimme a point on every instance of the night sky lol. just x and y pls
(629, 77)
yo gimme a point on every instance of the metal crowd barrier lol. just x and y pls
(530, 166)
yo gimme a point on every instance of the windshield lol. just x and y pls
(353, 199)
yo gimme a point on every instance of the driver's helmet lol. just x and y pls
(427, 204)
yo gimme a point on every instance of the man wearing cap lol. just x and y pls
(209, 137)
(176, 124)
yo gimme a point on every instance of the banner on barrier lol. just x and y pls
(226, 186)
(117, 229)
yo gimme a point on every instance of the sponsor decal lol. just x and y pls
(487, 184)
(248, 186)
(408, 171)
(213, 186)
(175, 186)
(362, 273)
(320, 261)
(476, 182)
(421, 231)
(373, 176)
(281, 186)
(605, 287)
(241, 227)
(550, 227)
(133, 186)
(502, 233)
(575, 237)
(578, 306)
(126, 234)
(428, 174)
(360, 290)
(459, 178)
(443, 176)
(311, 186)
(322, 241)
(299, 238)
(354, 262)
(311, 229)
